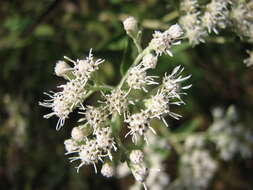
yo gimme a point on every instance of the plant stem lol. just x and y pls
(170, 16)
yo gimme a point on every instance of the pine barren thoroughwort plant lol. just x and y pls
(119, 112)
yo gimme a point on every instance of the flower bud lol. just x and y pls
(77, 134)
(70, 145)
(61, 68)
(107, 170)
(130, 25)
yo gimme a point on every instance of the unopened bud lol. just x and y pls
(70, 145)
(107, 170)
(130, 25)
(61, 68)
(77, 134)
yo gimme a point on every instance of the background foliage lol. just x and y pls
(35, 34)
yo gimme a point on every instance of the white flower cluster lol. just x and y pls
(215, 16)
(230, 136)
(191, 22)
(157, 106)
(198, 21)
(242, 19)
(90, 150)
(162, 41)
(197, 25)
(197, 167)
(74, 91)
(98, 136)
(157, 179)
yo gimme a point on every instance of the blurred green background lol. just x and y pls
(35, 34)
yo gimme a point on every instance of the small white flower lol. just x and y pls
(105, 142)
(138, 79)
(193, 30)
(95, 116)
(89, 154)
(195, 35)
(197, 168)
(136, 156)
(171, 83)
(162, 41)
(138, 123)
(215, 16)
(158, 105)
(83, 68)
(117, 101)
(107, 170)
(190, 20)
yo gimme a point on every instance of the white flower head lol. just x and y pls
(157, 105)
(195, 35)
(215, 16)
(194, 142)
(88, 154)
(138, 78)
(138, 123)
(171, 83)
(162, 41)
(190, 20)
(94, 116)
(83, 68)
(105, 142)
(117, 101)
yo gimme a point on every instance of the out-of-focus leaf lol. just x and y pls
(126, 63)
(44, 30)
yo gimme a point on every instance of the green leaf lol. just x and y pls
(126, 60)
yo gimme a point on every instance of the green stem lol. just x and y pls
(136, 40)
(96, 88)
(170, 16)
